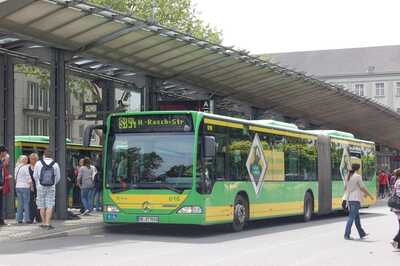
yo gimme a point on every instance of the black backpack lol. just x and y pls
(47, 174)
(1, 174)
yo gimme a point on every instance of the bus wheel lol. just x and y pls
(240, 213)
(308, 207)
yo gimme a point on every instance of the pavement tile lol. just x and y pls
(16, 232)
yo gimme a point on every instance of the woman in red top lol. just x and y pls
(383, 181)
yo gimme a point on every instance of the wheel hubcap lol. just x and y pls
(240, 213)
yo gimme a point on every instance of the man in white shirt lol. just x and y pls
(46, 192)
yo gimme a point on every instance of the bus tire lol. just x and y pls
(240, 213)
(308, 210)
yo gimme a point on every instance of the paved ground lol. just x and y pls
(277, 242)
(19, 232)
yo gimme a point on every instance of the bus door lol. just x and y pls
(324, 175)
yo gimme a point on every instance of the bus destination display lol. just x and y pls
(153, 123)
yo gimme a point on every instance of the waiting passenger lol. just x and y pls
(33, 210)
(355, 189)
(23, 187)
(86, 184)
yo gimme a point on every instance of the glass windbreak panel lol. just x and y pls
(151, 160)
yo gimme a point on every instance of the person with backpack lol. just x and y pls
(86, 184)
(47, 175)
(23, 185)
(355, 189)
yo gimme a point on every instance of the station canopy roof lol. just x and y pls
(128, 44)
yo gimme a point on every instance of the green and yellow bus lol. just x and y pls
(184, 167)
(25, 145)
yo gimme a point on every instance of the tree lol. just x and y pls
(177, 14)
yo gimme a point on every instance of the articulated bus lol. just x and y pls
(197, 168)
(25, 145)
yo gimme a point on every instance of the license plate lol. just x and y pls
(148, 219)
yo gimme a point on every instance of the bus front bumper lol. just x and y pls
(172, 218)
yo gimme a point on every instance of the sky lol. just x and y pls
(271, 26)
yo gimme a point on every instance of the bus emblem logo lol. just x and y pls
(256, 164)
(146, 206)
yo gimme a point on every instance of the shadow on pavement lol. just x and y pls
(175, 233)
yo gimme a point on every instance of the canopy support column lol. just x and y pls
(7, 125)
(150, 94)
(58, 126)
(107, 99)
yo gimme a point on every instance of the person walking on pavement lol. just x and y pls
(47, 175)
(86, 184)
(98, 188)
(392, 182)
(23, 184)
(4, 176)
(355, 189)
(383, 181)
(396, 191)
(33, 210)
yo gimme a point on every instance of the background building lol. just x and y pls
(371, 72)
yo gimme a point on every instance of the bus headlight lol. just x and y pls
(111, 208)
(190, 210)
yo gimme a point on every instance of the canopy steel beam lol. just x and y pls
(59, 8)
(17, 6)
(214, 71)
(264, 90)
(58, 125)
(134, 54)
(82, 15)
(194, 68)
(130, 44)
(246, 79)
(270, 76)
(304, 96)
(150, 66)
(7, 125)
(81, 32)
(110, 37)
(234, 75)
(265, 86)
(162, 53)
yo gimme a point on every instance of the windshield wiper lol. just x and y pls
(159, 185)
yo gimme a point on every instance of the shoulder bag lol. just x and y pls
(394, 201)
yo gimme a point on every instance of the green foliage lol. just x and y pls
(177, 14)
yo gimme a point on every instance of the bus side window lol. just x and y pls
(219, 169)
(239, 147)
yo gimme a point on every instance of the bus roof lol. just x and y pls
(274, 124)
(41, 139)
(334, 133)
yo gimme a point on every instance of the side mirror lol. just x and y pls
(210, 147)
(87, 134)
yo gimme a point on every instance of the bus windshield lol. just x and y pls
(151, 160)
